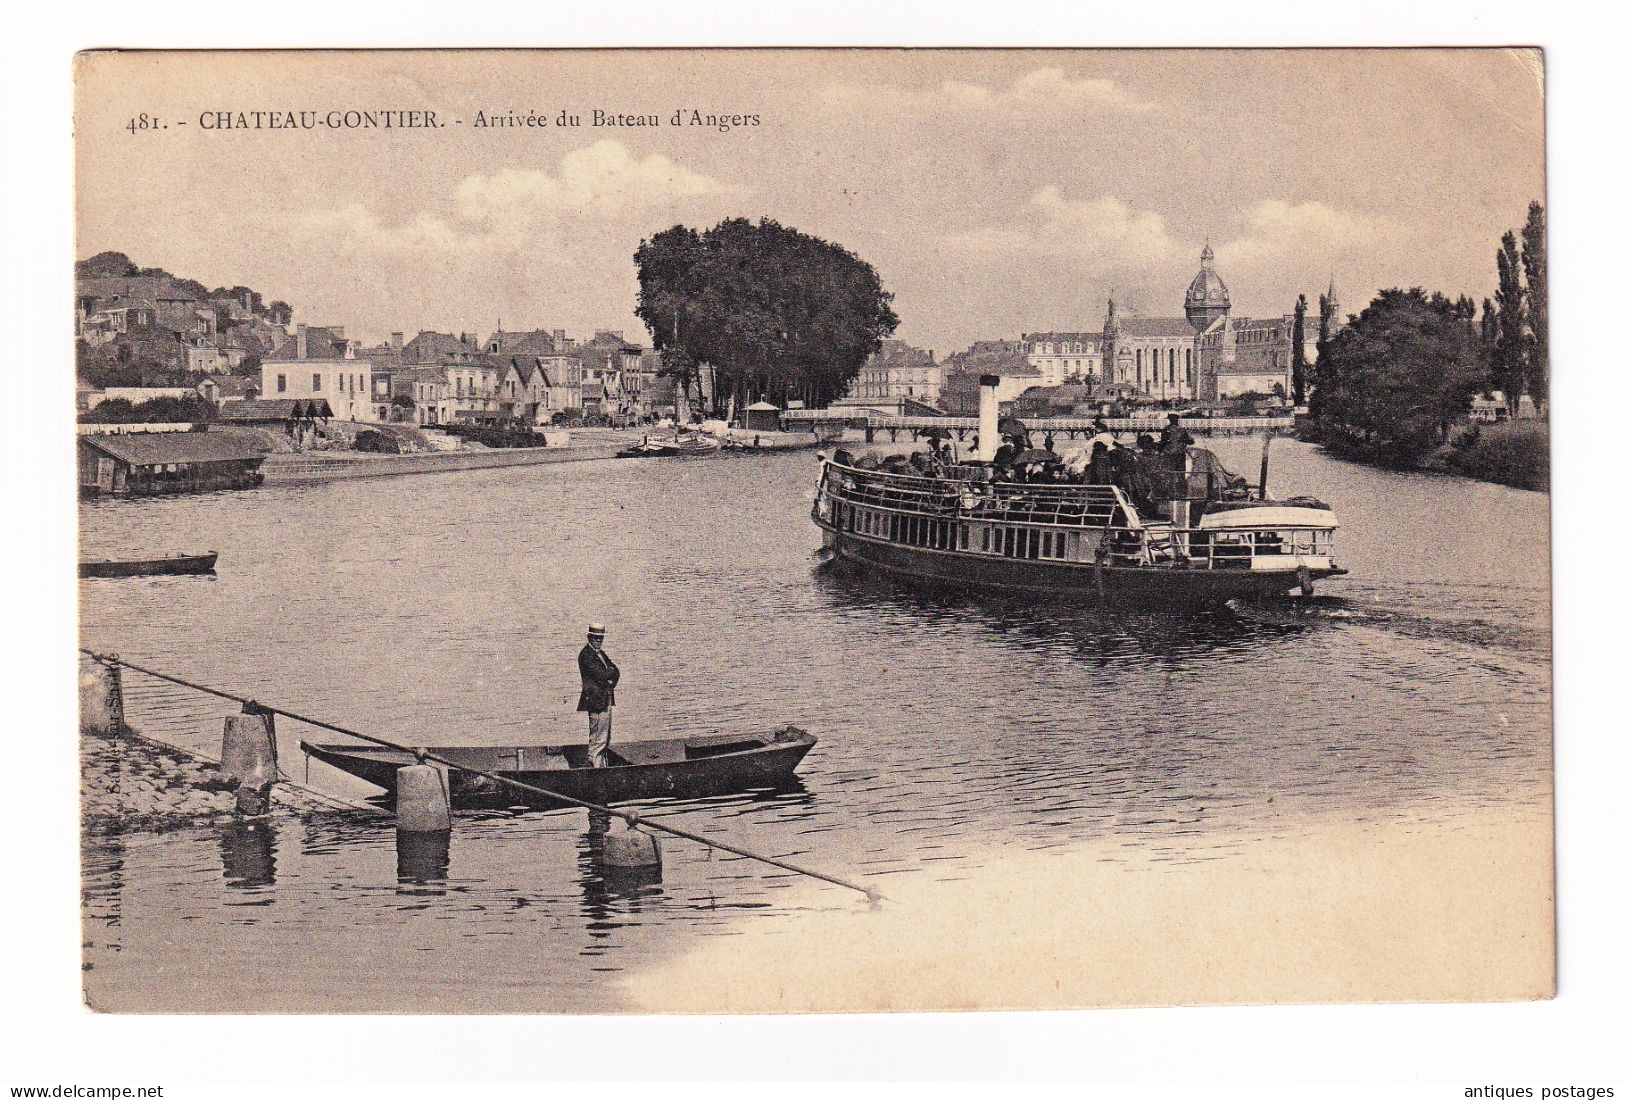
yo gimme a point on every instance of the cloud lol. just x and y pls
(600, 182)
(1048, 89)
(1035, 97)
(1105, 232)
(1276, 231)
(1108, 234)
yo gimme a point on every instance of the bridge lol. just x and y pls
(833, 421)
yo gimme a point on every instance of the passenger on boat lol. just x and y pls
(1128, 475)
(1099, 469)
(1175, 438)
(599, 676)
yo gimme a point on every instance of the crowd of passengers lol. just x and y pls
(1149, 470)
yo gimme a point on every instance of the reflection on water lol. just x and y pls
(1081, 630)
(422, 861)
(248, 855)
(605, 885)
(953, 726)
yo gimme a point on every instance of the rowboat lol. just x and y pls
(150, 567)
(684, 767)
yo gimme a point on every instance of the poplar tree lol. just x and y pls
(1534, 269)
(1508, 366)
(1299, 363)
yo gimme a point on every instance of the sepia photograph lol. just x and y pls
(783, 531)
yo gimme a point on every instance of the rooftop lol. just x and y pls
(157, 448)
(278, 409)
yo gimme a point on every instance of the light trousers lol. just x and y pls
(598, 738)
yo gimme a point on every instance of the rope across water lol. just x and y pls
(629, 816)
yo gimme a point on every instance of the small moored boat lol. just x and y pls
(150, 567)
(647, 449)
(685, 767)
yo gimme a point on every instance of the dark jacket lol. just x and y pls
(598, 679)
(1175, 438)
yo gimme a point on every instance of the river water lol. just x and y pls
(955, 729)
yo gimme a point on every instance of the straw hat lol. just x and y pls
(596, 630)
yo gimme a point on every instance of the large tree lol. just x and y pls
(1534, 269)
(775, 312)
(1389, 385)
(1509, 363)
(1300, 365)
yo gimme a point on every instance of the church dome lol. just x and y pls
(1207, 298)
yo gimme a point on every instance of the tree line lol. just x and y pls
(1390, 385)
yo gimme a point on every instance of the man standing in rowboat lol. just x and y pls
(598, 679)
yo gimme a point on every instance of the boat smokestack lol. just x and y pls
(987, 428)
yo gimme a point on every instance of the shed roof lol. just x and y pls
(279, 409)
(156, 448)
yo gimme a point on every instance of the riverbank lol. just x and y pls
(130, 782)
(586, 446)
(1515, 453)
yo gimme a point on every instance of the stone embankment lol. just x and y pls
(132, 782)
(129, 782)
(331, 466)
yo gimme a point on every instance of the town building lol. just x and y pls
(895, 374)
(960, 394)
(223, 388)
(1063, 357)
(320, 363)
(106, 305)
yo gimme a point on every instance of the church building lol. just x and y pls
(1208, 354)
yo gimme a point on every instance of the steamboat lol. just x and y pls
(1205, 539)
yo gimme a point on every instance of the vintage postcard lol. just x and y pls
(762, 531)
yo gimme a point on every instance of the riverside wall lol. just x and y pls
(294, 469)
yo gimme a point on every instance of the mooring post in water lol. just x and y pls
(631, 846)
(1264, 467)
(101, 698)
(422, 798)
(248, 758)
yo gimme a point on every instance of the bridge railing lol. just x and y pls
(1197, 425)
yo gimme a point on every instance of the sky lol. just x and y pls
(996, 192)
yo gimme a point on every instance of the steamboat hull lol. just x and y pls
(1121, 583)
